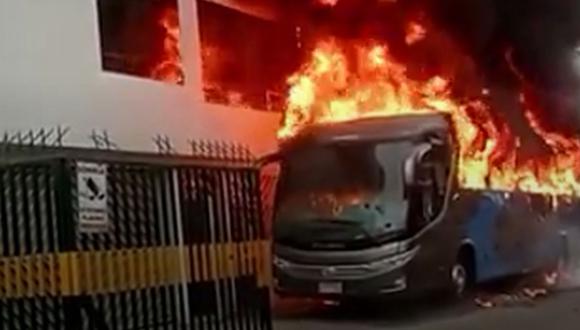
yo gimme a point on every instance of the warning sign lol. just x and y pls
(92, 197)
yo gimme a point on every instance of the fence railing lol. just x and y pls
(109, 240)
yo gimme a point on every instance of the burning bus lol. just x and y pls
(389, 184)
(373, 206)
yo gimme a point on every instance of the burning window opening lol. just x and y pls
(246, 61)
(141, 38)
(333, 87)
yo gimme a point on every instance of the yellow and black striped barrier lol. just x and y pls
(102, 272)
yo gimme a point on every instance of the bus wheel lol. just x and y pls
(461, 276)
(459, 279)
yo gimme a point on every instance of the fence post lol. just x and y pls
(66, 232)
(181, 246)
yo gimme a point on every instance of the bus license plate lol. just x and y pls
(330, 287)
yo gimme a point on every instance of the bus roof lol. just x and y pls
(373, 129)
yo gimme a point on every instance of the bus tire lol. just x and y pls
(462, 273)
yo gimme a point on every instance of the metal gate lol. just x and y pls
(183, 247)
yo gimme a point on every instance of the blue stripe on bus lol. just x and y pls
(481, 230)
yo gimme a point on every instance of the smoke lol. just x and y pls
(541, 37)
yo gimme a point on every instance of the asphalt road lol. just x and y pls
(557, 311)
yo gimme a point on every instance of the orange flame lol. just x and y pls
(415, 32)
(330, 3)
(170, 68)
(330, 88)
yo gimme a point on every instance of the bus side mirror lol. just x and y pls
(409, 172)
(412, 166)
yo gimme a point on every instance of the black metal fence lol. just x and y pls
(181, 244)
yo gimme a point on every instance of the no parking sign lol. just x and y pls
(92, 197)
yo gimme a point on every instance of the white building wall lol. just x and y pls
(50, 74)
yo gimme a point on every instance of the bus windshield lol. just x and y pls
(339, 170)
(342, 193)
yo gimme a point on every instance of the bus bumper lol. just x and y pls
(387, 276)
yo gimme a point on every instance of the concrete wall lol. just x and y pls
(50, 74)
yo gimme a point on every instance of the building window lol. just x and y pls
(246, 59)
(141, 38)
